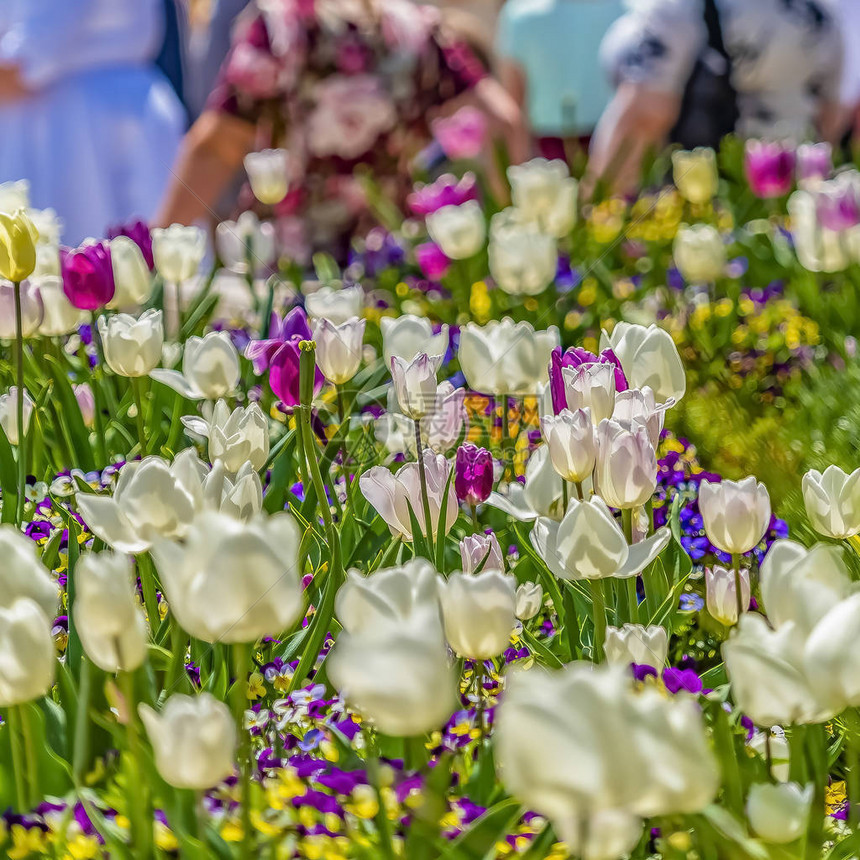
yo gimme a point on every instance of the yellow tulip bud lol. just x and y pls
(695, 174)
(18, 237)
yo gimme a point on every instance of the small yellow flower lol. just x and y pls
(256, 686)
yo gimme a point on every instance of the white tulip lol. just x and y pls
(14, 195)
(236, 437)
(634, 643)
(339, 348)
(86, 403)
(210, 368)
(22, 574)
(695, 174)
(32, 310)
(589, 544)
(570, 439)
(391, 662)
(832, 501)
(393, 494)
(699, 253)
(246, 241)
(107, 614)
(529, 600)
(335, 305)
(268, 173)
(721, 594)
(540, 496)
(543, 191)
(591, 387)
(407, 336)
(459, 231)
(132, 346)
(9, 413)
(504, 357)
(240, 497)
(233, 581)
(773, 746)
(648, 357)
(415, 384)
(479, 611)
(779, 813)
(194, 740)
(818, 248)
(638, 406)
(736, 514)
(60, 316)
(27, 653)
(474, 549)
(47, 261)
(178, 251)
(442, 427)
(625, 471)
(131, 275)
(522, 259)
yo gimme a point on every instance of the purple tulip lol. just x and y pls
(88, 275)
(447, 190)
(837, 205)
(473, 474)
(769, 168)
(294, 325)
(814, 161)
(284, 373)
(139, 233)
(432, 260)
(578, 357)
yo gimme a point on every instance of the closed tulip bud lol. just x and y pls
(625, 471)
(442, 428)
(634, 643)
(570, 439)
(88, 278)
(522, 259)
(22, 574)
(432, 261)
(736, 514)
(590, 387)
(131, 274)
(699, 253)
(194, 740)
(649, 358)
(415, 383)
(832, 501)
(479, 611)
(721, 594)
(27, 653)
(589, 544)
(818, 249)
(107, 615)
(178, 252)
(637, 407)
(231, 581)
(32, 310)
(210, 368)
(769, 168)
(529, 600)
(473, 474)
(389, 494)
(695, 174)
(235, 438)
(459, 231)
(240, 497)
(339, 348)
(814, 162)
(390, 661)
(86, 403)
(9, 414)
(60, 316)
(543, 191)
(779, 813)
(139, 233)
(481, 551)
(407, 336)
(337, 305)
(268, 173)
(18, 238)
(246, 243)
(132, 346)
(504, 357)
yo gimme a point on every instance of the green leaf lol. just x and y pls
(485, 832)
(540, 651)
(70, 415)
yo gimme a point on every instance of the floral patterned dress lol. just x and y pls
(346, 87)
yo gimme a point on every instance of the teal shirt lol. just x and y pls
(557, 43)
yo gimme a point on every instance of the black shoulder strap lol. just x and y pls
(715, 30)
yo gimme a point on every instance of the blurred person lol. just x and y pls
(691, 71)
(343, 85)
(85, 114)
(548, 60)
(849, 13)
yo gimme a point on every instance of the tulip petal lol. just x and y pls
(513, 503)
(175, 380)
(643, 553)
(102, 515)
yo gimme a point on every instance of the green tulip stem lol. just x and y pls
(241, 664)
(598, 605)
(141, 424)
(13, 717)
(736, 567)
(19, 381)
(344, 451)
(630, 584)
(506, 432)
(138, 812)
(422, 475)
(98, 374)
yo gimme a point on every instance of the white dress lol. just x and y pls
(97, 138)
